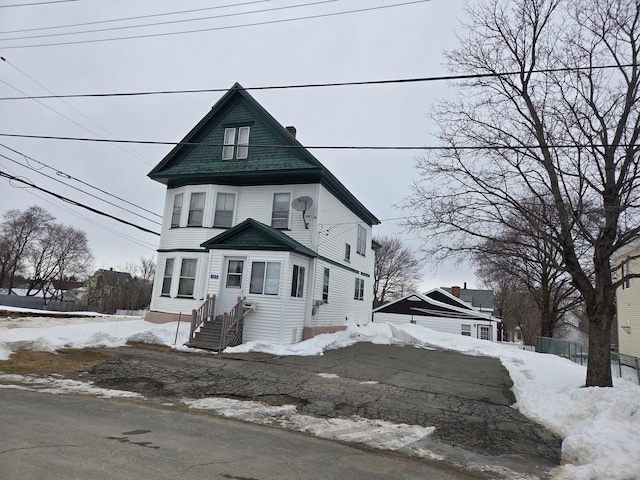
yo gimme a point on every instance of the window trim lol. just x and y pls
(215, 210)
(232, 145)
(182, 277)
(325, 285)
(267, 264)
(361, 246)
(177, 209)
(167, 279)
(297, 281)
(287, 220)
(358, 293)
(465, 330)
(190, 222)
(241, 274)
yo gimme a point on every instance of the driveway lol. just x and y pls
(467, 399)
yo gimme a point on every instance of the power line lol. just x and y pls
(73, 202)
(318, 147)
(170, 22)
(36, 3)
(130, 152)
(471, 76)
(79, 190)
(66, 175)
(138, 17)
(228, 27)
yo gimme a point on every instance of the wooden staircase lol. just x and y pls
(225, 330)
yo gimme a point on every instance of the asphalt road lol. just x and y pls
(67, 437)
(468, 399)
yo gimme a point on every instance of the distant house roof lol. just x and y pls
(476, 298)
(280, 160)
(253, 235)
(422, 305)
(114, 278)
(67, 284)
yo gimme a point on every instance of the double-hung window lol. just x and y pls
(265, 278)
(187, 277)
(625, 271)
(224, 210)
(196, 210)
(280, 210)
(177, 210)
(235, 146)
(167, 277)
(465, 330)
(347, 252)
(359, 289)
(297, 281)
(325, 286)
(362, 240)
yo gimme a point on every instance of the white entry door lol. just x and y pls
(233, 282)
(484, 332)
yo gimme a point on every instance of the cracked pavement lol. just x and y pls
(468, 399)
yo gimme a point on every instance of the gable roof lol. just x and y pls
(421, 305)
(253, 235)
(114, 278)
(443, 296)
(477, 298)
(280, 160)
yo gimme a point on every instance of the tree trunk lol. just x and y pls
(599, 366)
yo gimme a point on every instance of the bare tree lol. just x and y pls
(529, 269)
(59, 252)
(556, 118)
(18, 233)
(396, 270)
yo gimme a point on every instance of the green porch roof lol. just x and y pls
(253, 235)
(280, 160)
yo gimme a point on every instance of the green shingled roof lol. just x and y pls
(280, 160)
(253, 235)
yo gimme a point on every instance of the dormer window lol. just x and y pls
(235, 146)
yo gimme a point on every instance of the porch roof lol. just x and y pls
(253, 235)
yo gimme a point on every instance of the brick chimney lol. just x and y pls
(291, 130)
(455, 291)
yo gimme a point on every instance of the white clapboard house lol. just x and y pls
(439, 310)
(257, 228)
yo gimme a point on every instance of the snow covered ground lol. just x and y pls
(601, 426)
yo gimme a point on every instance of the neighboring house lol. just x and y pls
(568, 328)
(481, 300)
(628, 302)
(67, 291)
(439, 310)
(106, 289)
(249, 212)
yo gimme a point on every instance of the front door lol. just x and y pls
(484, 332)
(233, 282)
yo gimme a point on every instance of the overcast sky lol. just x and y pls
(403, 41)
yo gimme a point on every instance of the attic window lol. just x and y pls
(235, 147)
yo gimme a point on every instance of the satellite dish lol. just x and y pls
(302, 204)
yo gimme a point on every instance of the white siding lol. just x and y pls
(446, 325)
(628, 302)
(331, 225)
(173, 304)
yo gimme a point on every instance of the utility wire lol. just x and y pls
(138, 17)
(471, 76)
(80, 190)
(36, 3)
(130, 152)
(170, 22)
(317, 147)
(73, 202)
(66, 175)
(228, 27)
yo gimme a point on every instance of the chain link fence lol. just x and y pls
(623, 366)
